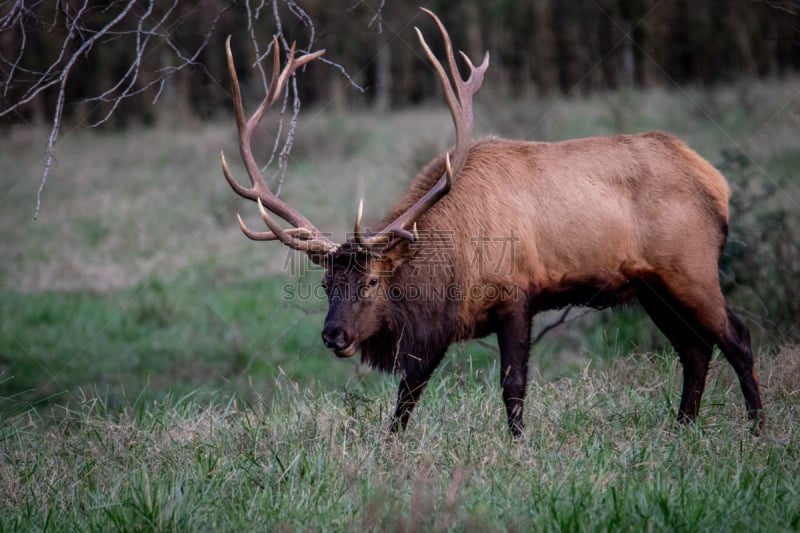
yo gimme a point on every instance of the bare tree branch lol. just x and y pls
(562, 319)
(378, 16)
(62, 79)
(791, 7)
(143, 28)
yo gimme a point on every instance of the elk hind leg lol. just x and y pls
(693, 329)
(689, 338)
(736, 347)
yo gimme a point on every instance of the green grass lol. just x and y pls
(601, 452)
(158, 337)
(155, 373)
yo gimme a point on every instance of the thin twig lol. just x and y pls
(552, 326)
(561, 320)
(378, 17)
(58, 114)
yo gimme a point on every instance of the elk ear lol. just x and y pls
(399, 254)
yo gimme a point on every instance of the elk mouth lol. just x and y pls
(347, 352)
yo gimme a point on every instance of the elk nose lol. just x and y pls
(335, 338)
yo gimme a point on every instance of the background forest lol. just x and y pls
(538, 47)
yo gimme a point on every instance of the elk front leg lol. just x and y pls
(514, 339)
(413, 383)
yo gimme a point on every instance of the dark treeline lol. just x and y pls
(538, 47)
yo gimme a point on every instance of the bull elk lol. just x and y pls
(494, 231)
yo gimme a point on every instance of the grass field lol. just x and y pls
(158, 371)
(602, 452)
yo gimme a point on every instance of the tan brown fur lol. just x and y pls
(578, 208)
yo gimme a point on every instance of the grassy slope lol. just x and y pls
(133, 311)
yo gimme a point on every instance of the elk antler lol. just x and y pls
(460, 103)
(304, 235)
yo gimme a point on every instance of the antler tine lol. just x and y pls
(357, 233)
(275, 82)
(304, 236)
(296, 238)
(276, 69)
(295, 233)
(299, 233)
(449, 95)
(391, 232)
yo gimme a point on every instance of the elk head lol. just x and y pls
(359, 271)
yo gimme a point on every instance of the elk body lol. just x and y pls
(481, 244)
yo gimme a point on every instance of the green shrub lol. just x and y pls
(760, 266)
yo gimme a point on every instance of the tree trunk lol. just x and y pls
(383, 74)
